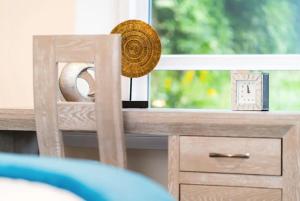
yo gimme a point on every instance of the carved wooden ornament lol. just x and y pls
(68, 82)
(141, 47)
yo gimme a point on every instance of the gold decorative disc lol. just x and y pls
(141, 47)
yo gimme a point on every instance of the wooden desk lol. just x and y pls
(165, 121)
(187, 127)
(17, 119)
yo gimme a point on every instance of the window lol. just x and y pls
(228, 26)
(204, 39)
(212, 90)
(259, 35)
(191, 89)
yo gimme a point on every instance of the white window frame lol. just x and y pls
(140, 9)
(230, 62)
(134, 9)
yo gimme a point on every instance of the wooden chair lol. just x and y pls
(54, 116)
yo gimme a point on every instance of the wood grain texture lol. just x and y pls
(202, 123)
(17, 119)
(206, 123)
(167, 121)
(75, 48)
(109, 117)
(45, 96)
(76, 116)
(102, 50)
(291, 166)
(189, 122)
(212, 179)
(173, 166)
(221, 193)
(264, 159)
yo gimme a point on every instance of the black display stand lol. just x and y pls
(134, 104)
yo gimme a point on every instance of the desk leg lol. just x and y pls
(173, 166)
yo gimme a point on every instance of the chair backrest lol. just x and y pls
(54, 116)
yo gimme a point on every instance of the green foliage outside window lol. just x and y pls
(191, 89)
(224, 27)
(228, 26)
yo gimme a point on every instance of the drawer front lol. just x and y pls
(230, 155)
(221, 193)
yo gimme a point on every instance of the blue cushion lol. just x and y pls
(89, 180)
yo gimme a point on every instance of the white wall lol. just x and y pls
(21, 19)
(96, 16)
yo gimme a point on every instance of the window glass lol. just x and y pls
(190, 89)
(212, 89)
(228, 26)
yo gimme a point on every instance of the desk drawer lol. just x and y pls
(230, 155)
(221, 193)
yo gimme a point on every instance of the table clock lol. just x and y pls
(250, 91)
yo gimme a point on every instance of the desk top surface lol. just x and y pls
(135, 119)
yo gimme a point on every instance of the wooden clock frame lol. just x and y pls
(262, 91)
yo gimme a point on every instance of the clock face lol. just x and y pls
(246, 92)
(250, 91)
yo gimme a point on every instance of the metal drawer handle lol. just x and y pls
(219, 155)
